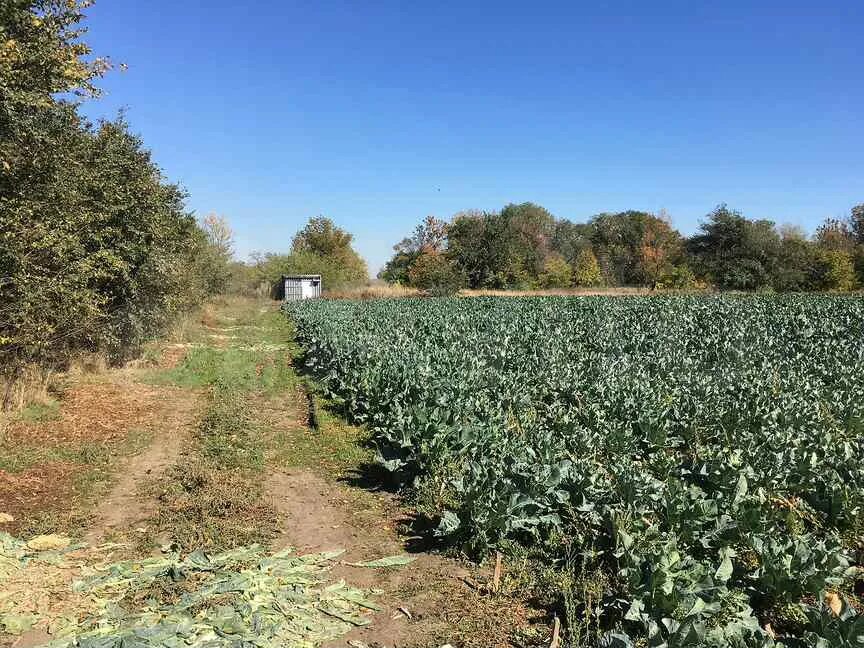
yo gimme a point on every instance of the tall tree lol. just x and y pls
(569, 239)
(430, 236)
(635, 248)
(734, 252)
(468, 239)
(322, 237)
(835, 234)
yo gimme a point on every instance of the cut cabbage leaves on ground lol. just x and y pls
(244, 596)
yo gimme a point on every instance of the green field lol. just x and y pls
(694, 466)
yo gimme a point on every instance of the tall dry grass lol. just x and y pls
(373, 291)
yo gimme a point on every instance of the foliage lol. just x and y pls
(216, 252)
(556, 273)
(319, 248)
(430, 236)
(435, 273)
(835, 270)
(98, 252)
(515, 248)
(41, 53)
(586, 270)
(570, 239)
(735, 252)
(702, 453)
(677, 276)
(472, 245)
(834, 234)
(636, 248)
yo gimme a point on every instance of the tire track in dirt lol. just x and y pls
(123, 506)
(320, 514)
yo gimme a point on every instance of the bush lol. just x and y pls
(835, 270)
(556, 273)
(743, 274)
(98, 252)
(586, 271)
(436, 274)
(679, 276)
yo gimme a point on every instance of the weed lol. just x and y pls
(207, 507)
(40, 412)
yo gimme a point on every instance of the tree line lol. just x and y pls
(98, 251)
(524, 246)
(320, 247)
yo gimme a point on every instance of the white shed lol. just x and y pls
(301, 286)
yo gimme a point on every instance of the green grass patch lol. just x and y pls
(228, 434)
(40, 412)
(214, 499)
(336, 446)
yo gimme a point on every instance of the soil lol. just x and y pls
(431, 601)
(124, 506)
(42, 487)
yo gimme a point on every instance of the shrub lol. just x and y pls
(835, 270)
(436, 274)
(679, 276)
(586, 271)
(557, 273)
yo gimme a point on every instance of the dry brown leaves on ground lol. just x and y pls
(45, 486)
(91, 412)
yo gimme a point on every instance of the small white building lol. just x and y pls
(301, 287)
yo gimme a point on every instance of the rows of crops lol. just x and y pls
(703, 455)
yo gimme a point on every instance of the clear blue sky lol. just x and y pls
(379, 113)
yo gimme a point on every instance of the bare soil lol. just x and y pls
(124, 506)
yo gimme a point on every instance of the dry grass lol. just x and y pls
(565, 292)
(204, 506)
(96, 411)
(32, 385)
(373, 291)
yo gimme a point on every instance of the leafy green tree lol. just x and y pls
(677, 276)
(97, 249)
(586, 270)
(835, 234)
(569, 239)
(734, 252)
(835, 270)
(42, 54)
(435, 273)
(474, 245)
(396, 269)
(557, 273)
(847, 236)
(323, 248)
(322, 237)
(635, 247)
(429, 236)
(796, 266)
(856, 223)
(529, 230)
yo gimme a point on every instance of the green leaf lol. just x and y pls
(389, 561)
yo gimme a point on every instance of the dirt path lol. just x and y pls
(298, 480)
(425, 603)
(124, 508)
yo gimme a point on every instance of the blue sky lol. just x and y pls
(377, 113)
